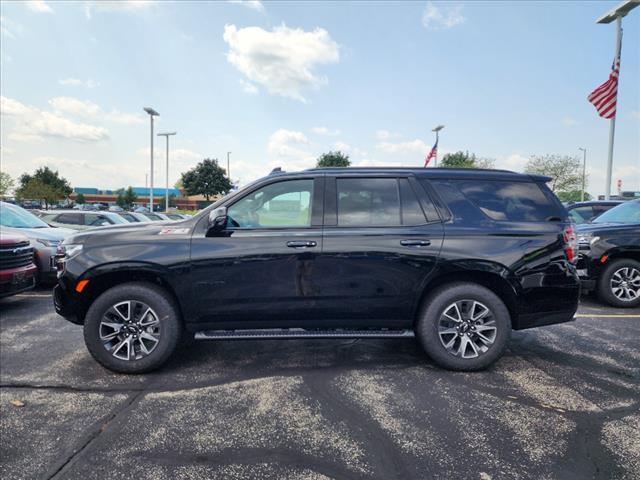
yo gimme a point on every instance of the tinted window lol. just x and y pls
(581, 214)
(510, 201)
(461, 208)
(623, 213)
(282, 204)
(14, 216)
(368, 201)
(152, 216)
(68, 218)
(412, 213)
(96, 220)
(129, 217)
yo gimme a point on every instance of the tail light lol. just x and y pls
(571, 243)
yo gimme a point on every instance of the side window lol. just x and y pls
(278, 205)
(95, 220)
(412, 213)
(461, 208)
(368, 202)
(581, 214)
(68, 219)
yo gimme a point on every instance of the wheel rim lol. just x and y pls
(467, 329)
(130, 330)
(625, 284)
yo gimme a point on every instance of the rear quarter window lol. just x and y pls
(473, 200)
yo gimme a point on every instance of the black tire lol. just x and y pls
(605, 291)
(434, 307)
(169, 325)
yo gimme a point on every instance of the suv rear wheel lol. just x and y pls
(619, 283)
(464, 326)
(132, 328)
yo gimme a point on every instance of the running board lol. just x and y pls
(289, 333)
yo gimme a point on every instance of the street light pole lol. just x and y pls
(616, 14)
(437, 130)
(152, 113)
(584, 169)
(228, 167)
(166, 188)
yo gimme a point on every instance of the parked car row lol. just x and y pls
(84, 220)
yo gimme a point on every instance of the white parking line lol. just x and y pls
(605, 315)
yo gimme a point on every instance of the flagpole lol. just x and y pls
(612, 124)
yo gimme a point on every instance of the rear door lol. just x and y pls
(381, 242)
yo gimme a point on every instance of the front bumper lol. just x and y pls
(63, 305)
(16, 280)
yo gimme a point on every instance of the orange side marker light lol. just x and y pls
(604, 258)
(80, 285)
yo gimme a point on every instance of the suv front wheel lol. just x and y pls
(464, 326)
(132, 328)
(619, 283)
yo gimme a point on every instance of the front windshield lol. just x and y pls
(624, 213)
(17, 217)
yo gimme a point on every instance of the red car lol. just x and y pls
(17, 270)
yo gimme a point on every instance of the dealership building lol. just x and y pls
(182, 201)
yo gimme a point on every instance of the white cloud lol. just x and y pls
(635, 114)
(9, 28)
(514, 162)
(569, 122)
(32, 124)
(404, 148)
(87, 109)
(76, 82)
(248, 87)
(39, 6)
(383, 135)
(290, 149)
(448, 16)
(325, 131)
(80, 108)
(252, 4)
(117, 6)
(283, 60)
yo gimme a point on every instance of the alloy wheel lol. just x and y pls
(467, 328)
(625, 284)
(130, 330)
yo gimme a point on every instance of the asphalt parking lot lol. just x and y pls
(563, 403)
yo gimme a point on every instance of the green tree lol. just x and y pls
(80, 200)
(48, 177)
(35, 189)
(565, 171)
(333, 159)
(6, 183)
(207, 178)
(120, 200)
(573, 196)
(130, 197)
(462, 159)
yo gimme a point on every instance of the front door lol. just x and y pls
(259, 271)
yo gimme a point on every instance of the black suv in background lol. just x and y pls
(609, 255)
(584, 212)
(457, 258)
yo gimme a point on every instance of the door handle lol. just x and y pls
(301, 244)
(415, 243)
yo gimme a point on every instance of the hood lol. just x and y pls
(605, 227)
(41, 233)
(144, 229)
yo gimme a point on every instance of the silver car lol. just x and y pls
(82, 220)
(44, 238)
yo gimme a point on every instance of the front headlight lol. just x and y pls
(69, 251)
(587, 239)
(48, 243)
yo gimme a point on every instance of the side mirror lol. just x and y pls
(217, 221)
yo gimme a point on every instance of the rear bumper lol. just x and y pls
(16, 280)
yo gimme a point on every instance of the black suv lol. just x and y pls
(609, 255)
(457, 258)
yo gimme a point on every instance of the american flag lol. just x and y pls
(432, 154)
(605, 97)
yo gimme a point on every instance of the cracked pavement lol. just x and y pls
(564, 402)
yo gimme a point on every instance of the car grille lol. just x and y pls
(16, 255)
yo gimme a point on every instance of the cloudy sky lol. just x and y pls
(278, 83)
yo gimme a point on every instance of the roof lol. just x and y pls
(433, 172)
